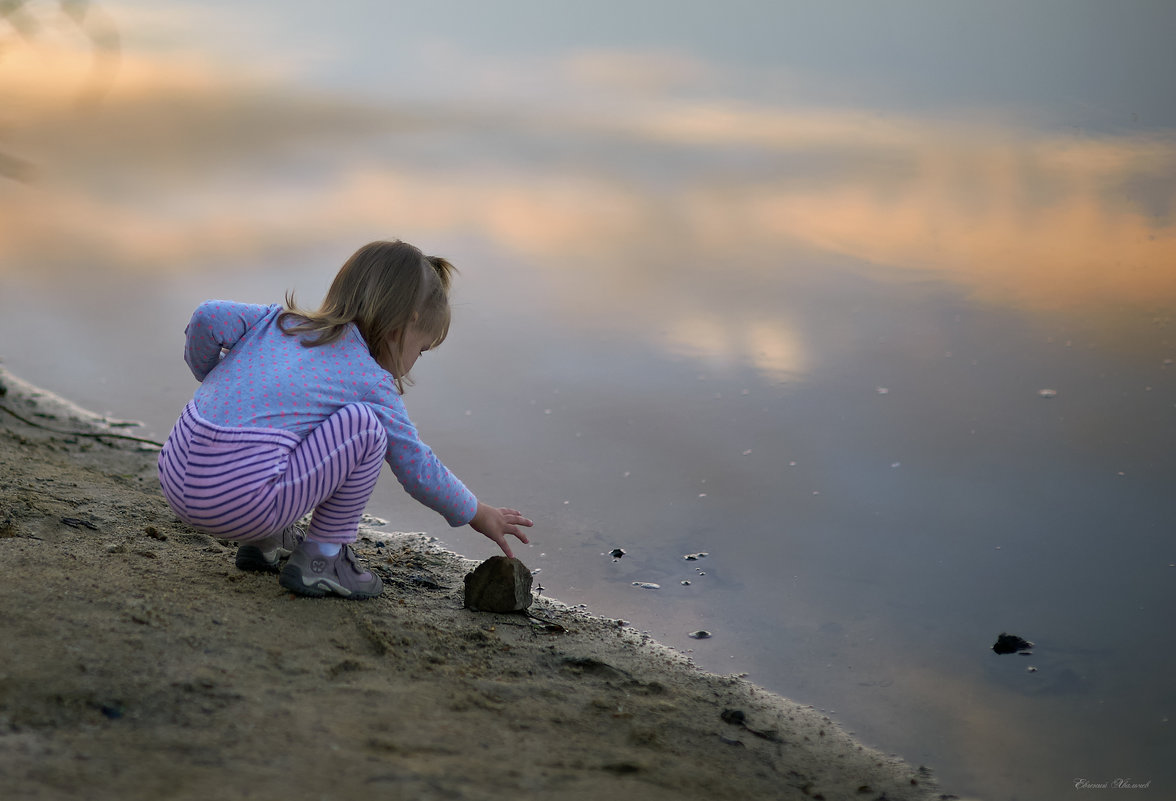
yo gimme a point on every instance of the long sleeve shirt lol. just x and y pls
(268, 379)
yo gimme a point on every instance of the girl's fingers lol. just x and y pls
(514, 532)
(516, 517)
(501, 542)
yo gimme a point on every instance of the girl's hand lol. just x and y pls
(497, 523)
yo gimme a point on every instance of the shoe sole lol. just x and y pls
(250, 558)
(319, 587)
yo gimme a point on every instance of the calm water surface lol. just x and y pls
(882, 323)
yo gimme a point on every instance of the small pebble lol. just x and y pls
(701, 634)
(1010, 644)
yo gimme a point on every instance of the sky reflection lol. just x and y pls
(189, 161)
(193, 161)
(732, 270)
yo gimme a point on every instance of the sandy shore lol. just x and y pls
(139, 663)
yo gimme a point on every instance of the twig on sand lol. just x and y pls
(94, 434)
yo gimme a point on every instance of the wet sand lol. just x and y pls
(139, 663)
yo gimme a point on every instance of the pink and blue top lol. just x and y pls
(268, 379)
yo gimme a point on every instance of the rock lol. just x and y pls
(736, 717)
(498, 585)
(1011, 644)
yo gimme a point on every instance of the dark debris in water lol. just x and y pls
(701, 634)
(1011, 644)
(617, 553)
(694, 557)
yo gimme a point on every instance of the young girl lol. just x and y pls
(297, 410)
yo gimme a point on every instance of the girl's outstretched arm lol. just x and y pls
(496, 523)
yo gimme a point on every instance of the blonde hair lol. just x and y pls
(383, 288)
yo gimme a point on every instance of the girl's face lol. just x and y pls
(410, 344)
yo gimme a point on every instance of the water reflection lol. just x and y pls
(237, 169)
(717, 341)
(190, 162)
(707, 294)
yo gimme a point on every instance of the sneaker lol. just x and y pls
(265, 554)
(308, 573)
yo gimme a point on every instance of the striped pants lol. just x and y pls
(250, 483)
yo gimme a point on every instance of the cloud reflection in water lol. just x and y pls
(690, 221)
(190, 163)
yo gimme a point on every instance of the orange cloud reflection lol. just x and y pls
(188, 162)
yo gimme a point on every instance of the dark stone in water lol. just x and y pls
(701, 634)
(617, 553)
(499, 585)
(1011, 644)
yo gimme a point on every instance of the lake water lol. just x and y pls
(874, 305)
